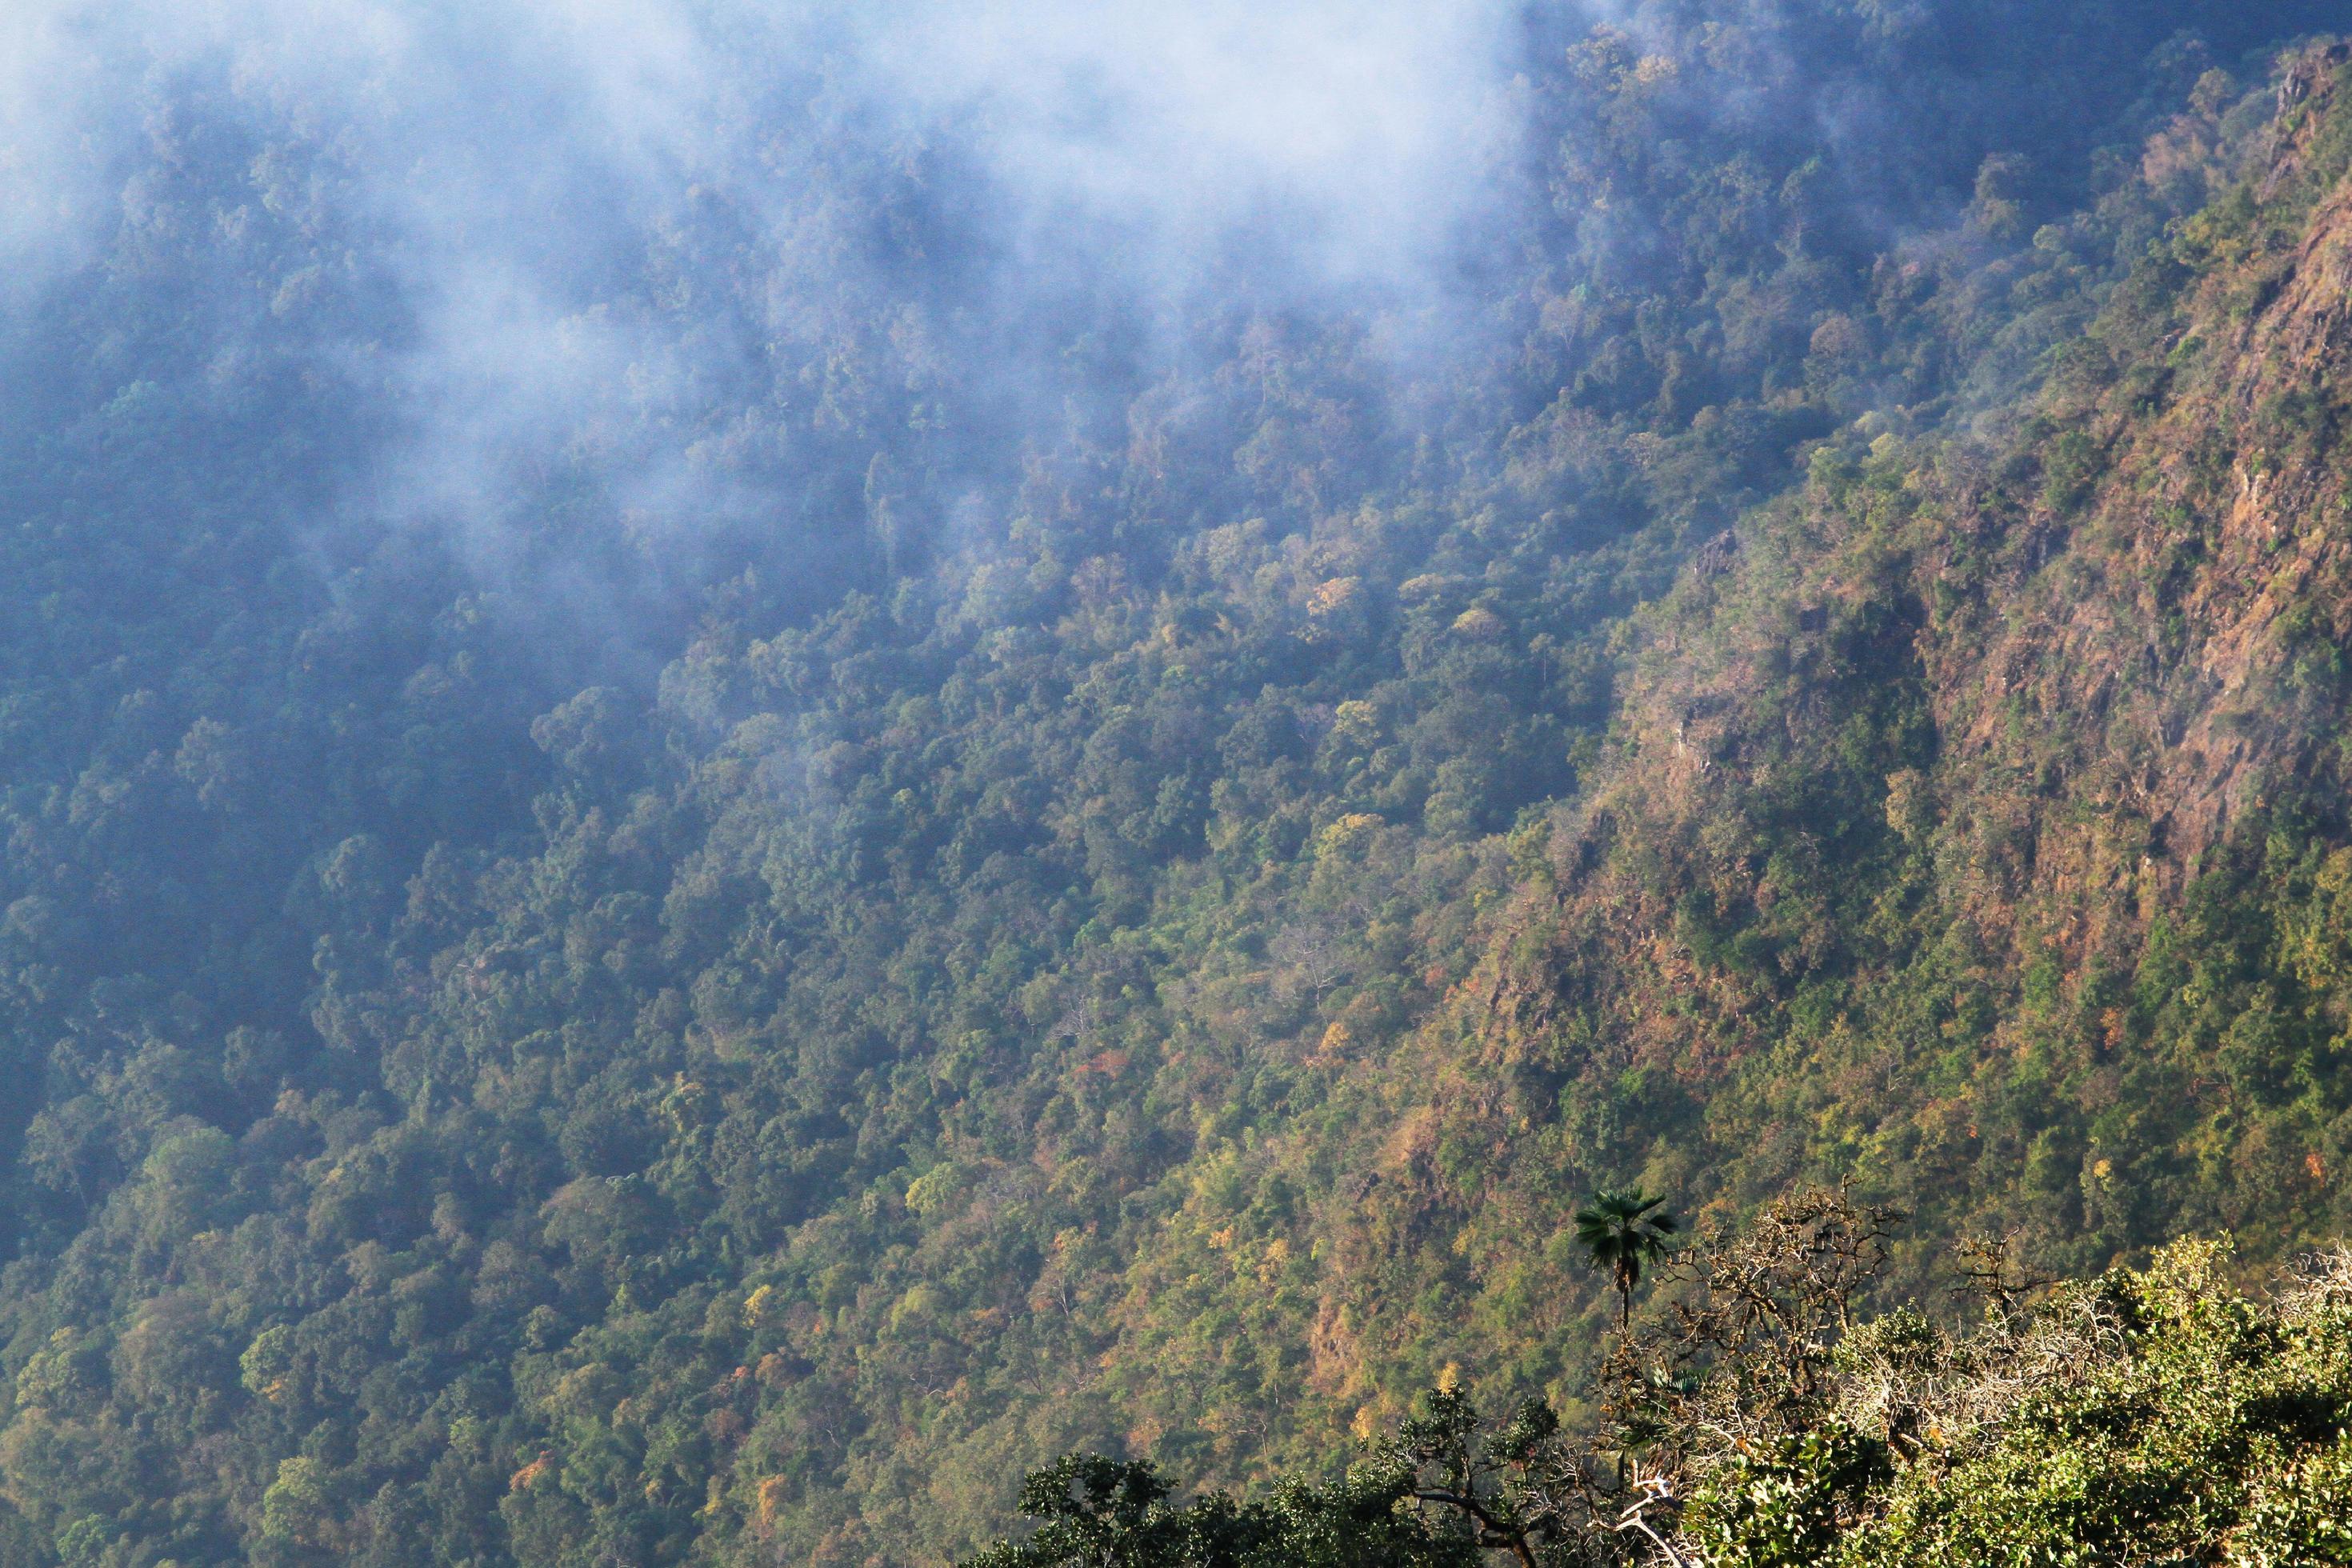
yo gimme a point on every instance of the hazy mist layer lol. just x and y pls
(621, 235)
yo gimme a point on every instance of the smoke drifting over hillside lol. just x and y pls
(1367, 139)
(611, 293)
(1182, 126)
(623, 233)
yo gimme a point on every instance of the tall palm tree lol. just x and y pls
(1622, 1230)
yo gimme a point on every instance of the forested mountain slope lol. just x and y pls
(1974, 818)
(1969, 825)
(886, 878)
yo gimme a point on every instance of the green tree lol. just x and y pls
(1623, 1230)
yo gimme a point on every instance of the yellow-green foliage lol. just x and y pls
(2186, 1422)
(2150, 1416)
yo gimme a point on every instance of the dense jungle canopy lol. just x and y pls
(756, 764)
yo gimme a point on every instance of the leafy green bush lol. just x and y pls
(2151, 1415)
